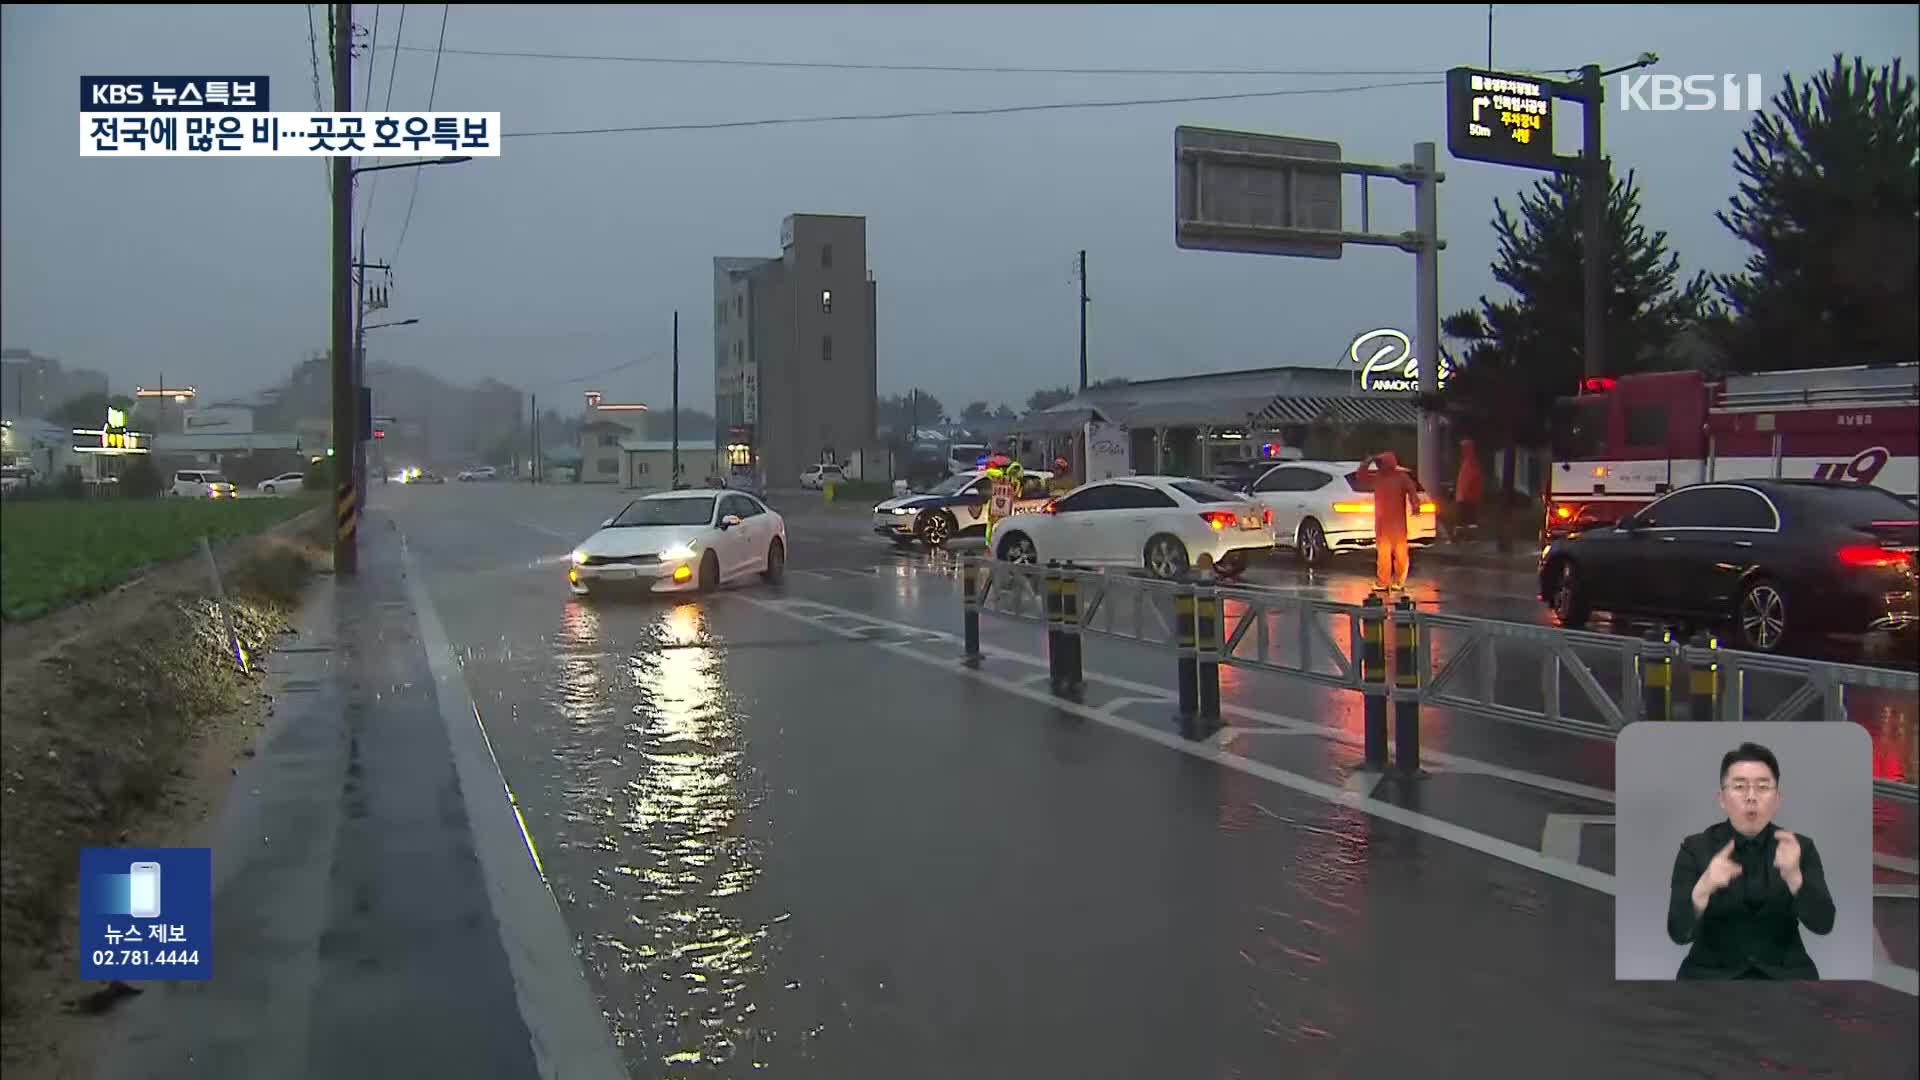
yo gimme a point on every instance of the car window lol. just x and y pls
(1033, 487)
(1140, 497)
(1293, 479)
(1739, 508)
(745, 507)
(690, 511)
(1092, 498)
(1691, 508)
(980, 488)
(1202, 492)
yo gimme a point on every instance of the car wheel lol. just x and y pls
(1165, 557)
(1018, 548)
(936, 529)
(268, 490)
(709, 573)
(1761, 619)
(1570, 599)
(1312, 548)
(776, 570)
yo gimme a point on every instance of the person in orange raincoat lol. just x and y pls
(1466, 489)
(1395, 498)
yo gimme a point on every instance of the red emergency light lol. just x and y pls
(1599, 384)
(378, 434)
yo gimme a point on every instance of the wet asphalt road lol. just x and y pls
(789, 850)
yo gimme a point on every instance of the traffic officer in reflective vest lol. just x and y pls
(1004, 473)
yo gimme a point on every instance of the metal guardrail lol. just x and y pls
(1586, 682)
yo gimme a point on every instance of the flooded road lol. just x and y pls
(790, 848)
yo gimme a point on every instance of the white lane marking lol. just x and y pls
(1362, 783)
(1560, 836)
(1893, 976)
(1432, 826)
(1897, 864)
(569, 1035)
(1148, 693)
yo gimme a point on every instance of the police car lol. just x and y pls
(957, 508)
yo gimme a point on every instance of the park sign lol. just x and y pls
(112, 437)
(1503, 118)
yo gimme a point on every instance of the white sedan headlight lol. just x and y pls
(903, 511)
(579, 557)
(677, 553)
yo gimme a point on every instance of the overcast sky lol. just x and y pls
(567, 256)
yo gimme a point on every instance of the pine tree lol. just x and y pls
(1830, 204)
(1524, 352)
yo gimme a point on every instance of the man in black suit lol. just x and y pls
(1743, 888)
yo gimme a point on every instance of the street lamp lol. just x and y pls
(408, 165)
(385, 325)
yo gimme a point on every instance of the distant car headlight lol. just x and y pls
(677, 553)
(579, 558)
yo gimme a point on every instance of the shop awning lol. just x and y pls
(1340, 410)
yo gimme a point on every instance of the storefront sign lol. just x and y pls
(1387, 363)
(1108, 451)
(112, 438)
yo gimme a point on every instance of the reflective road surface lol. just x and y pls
(794, 838)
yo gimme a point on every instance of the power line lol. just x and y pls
(990, 110)
(400, 33)
(432, 90)
(366, 102)
(974, 69)
(319, 105)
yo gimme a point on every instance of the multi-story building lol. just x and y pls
(795, 365)
(34, 386)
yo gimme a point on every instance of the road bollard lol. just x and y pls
(1185, 639)
(1656, 675)
(970, 610)
(1703, 681)
(1206, 621)
(1055, 661)
(1406, 680)
(1072, 674)
(1373, 679)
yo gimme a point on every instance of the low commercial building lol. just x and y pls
(1189, 424)
(648, 464)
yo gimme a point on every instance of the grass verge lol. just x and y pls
(54, 552)
(93, 733)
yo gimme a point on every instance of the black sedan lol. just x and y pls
(1773, 561)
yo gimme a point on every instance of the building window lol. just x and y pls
(640, 467)
(740, 305)
(826, 301)
(826, 348)
(826, 256)
(739, 351)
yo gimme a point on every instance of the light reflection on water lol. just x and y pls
(678, 964)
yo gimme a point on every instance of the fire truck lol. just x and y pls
(1621, 443)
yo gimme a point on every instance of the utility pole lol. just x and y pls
(346, 401)
(676, 401)
(1595, 186)
(533, 452)
(1083, 320)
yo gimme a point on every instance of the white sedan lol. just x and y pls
(284, 484)
(676, 541)
(1166, 524)
(1323, 507)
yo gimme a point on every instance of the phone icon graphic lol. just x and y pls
(143, 894)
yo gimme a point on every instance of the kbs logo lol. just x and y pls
(1692, 93)
(1861, 470)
